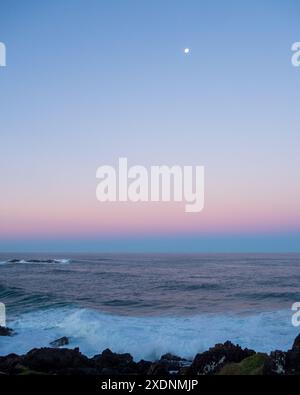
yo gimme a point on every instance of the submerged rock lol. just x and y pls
(4, 331)
(63, 341)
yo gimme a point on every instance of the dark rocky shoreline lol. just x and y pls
(222, 359)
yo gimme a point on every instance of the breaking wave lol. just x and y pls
(148, 337)
(36, 261)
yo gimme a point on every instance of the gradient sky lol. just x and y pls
(89, 81)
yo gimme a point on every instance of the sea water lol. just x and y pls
(149, 304)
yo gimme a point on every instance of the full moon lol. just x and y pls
(186, 50)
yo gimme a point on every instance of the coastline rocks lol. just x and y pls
(51, 360)
(292, 362)
(222, 359)
(4, 331)
(10, 364)
(275, 363)
(210, 362)
(63, 341)
(143, 367)
(157, 369)
(283, 363)
(173, 364)
(111, 363)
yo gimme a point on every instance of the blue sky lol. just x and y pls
(89, 81)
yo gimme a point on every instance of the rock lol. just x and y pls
(143, 367)
(211, 361)
(296, 345)
(10, 364)
(117, 363)
(284, 363)
(184, 371)
(292, 362)
(158, 369)
(63, 341)
(51, 360)
(275, 364)
(173, 363)
(249, 366)
(4, 331)
(171, 357)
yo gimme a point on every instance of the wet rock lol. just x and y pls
(275, 364)
(55, 359)
(158, 369)
(171, 357)
(184, 371)
(63, 341)
(143, 367)
(211, 361)
(283, 363)
(292, 365)
(4, 331)
(116, 363)
(10, 364)
(173, 363)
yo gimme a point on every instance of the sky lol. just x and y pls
(87, 82)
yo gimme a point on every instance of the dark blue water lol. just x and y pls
(150, 304)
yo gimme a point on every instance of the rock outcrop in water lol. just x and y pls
(222, 359)
(4, 331)
(63, 341)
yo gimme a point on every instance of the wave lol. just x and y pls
(36, 261)
(149, 337)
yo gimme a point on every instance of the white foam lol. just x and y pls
(64, 261)
(41, 262)
(149, 337)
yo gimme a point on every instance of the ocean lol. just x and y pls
(149, 304)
